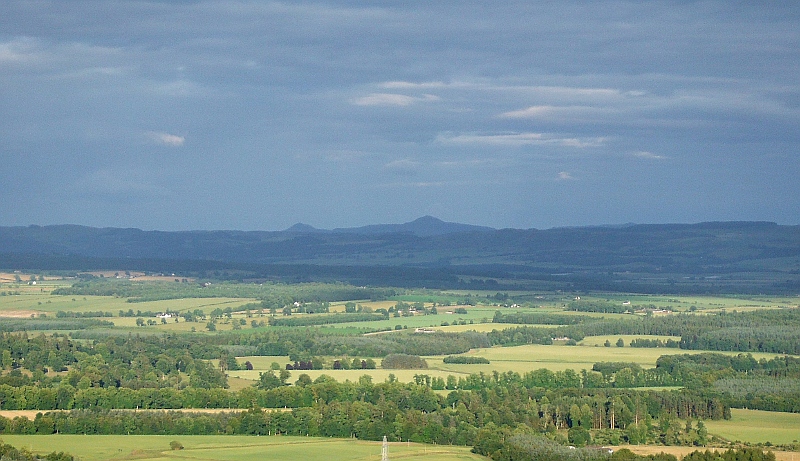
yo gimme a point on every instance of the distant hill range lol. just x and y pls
(704, 257)
(425, 226)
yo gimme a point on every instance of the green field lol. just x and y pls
(756, 426)
(33, 299)
(701, 303)
(230, 448)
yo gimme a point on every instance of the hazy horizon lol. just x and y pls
(611, 225)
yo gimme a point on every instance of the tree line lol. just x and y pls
(400, 411)
(286, 294)
(325, 319)
(769, 330)
(12, 453)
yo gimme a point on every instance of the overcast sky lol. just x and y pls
(256, 115)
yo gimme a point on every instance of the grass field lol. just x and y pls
(701, 303)
(756, 426)
(231, 448)
(39, 299)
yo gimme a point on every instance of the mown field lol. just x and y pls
(231, 448)
(247, 448)
(756, 426)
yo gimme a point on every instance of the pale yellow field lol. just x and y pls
(263, 362)
(680, 452)
(31, 414)
(558, 358)
(520, 359)
(231, 448)
(378, 375)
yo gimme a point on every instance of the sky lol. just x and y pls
(256, 115)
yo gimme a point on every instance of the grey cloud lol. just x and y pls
(287, 102)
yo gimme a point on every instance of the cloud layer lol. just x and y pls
(256, 115)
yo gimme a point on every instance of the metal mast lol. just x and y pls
(385, 450)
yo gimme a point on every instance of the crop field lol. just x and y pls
(31, 414)
(378, 375)
(680, 452)
(235, 448)
(230, 448)
(558, 357)
(520, 359)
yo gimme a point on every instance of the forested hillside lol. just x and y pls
(747, 257)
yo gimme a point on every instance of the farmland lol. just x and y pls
(756, 426)
(228, 325)
(518, 359)
(228, 448)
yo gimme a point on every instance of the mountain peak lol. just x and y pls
(427, 219)
(301, 228)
